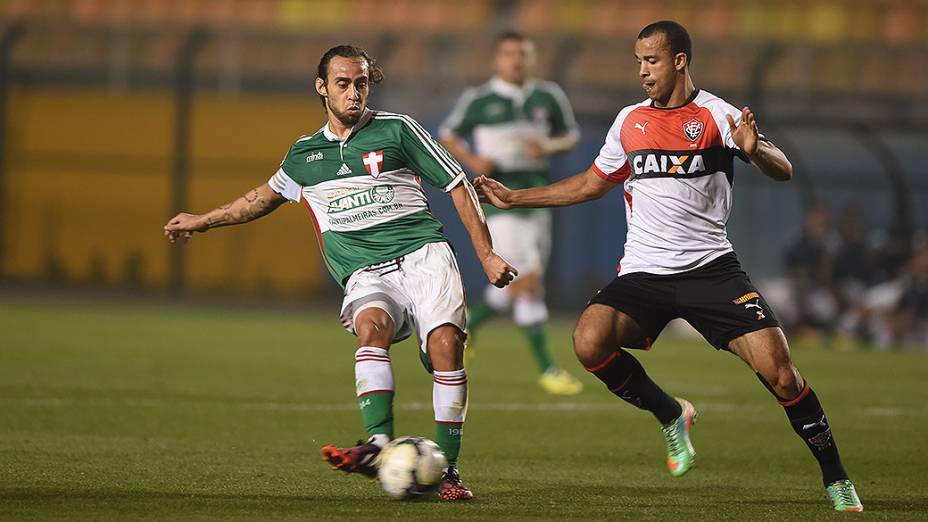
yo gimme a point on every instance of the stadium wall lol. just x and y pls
(89, 188)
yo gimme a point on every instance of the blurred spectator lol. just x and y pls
(810, 261)
(845, 283)
(856, 268)
(855, 259)
(894, 311)
(906, 324)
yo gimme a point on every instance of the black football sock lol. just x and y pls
(626, 378)
(809, 422)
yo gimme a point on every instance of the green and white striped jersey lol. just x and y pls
(503, 118)
(364, 192)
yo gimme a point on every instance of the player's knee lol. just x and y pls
(787, 380)
(789, 383)
(445, 348)
(589, 346)
(374, 328)
(783, 380)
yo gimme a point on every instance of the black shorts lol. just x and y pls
(717, 299)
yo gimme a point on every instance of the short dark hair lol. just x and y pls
(510, 35)
(348, 51)
(677, 37)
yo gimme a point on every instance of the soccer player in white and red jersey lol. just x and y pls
(673, 155)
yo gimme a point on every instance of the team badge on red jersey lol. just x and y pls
(373, 162)
(693, 129)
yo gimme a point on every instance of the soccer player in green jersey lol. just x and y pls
(517, 122)
(360, 178)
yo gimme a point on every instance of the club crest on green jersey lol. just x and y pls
(373, 162)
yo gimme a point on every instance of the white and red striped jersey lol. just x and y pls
(676, 165)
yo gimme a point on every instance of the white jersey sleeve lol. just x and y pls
(612, 163)
(720, 110)
(282, 184)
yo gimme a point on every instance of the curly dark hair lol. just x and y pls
(348, 51)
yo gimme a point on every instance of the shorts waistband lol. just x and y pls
(386, 267)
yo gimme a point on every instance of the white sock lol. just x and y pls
(380, 440)
(372, 370)
(449, 396)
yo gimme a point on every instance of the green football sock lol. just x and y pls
(537, 336)
(478, 315)
(448, 437)
(377, 412)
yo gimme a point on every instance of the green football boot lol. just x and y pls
(844, 496)
(680, 453)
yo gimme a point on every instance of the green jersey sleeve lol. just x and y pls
(562, 115)
(462, 119)
(282, 183)
(427, 157)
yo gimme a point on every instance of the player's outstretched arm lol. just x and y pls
(764, 155)
(498, 270)
(257, 202)
(579, 188)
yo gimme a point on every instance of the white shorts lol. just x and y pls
(523, 239)
(421, 291)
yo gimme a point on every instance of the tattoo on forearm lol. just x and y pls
(223, 219)
(257, 206)
(245, 215)
(249, 207)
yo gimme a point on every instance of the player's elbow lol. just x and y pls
(785, 171)
(779, 171)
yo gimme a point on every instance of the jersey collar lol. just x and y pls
(688, 101)
(365, 117)
(508, 90)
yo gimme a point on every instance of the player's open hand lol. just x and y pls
(498, 270)
(183, 225)
(744, 134)
(493, 192)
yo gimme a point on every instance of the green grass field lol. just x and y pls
(145, 411)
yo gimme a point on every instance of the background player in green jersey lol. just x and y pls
(517, 122)
(359, 177)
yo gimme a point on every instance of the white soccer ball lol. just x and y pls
(411, 467)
